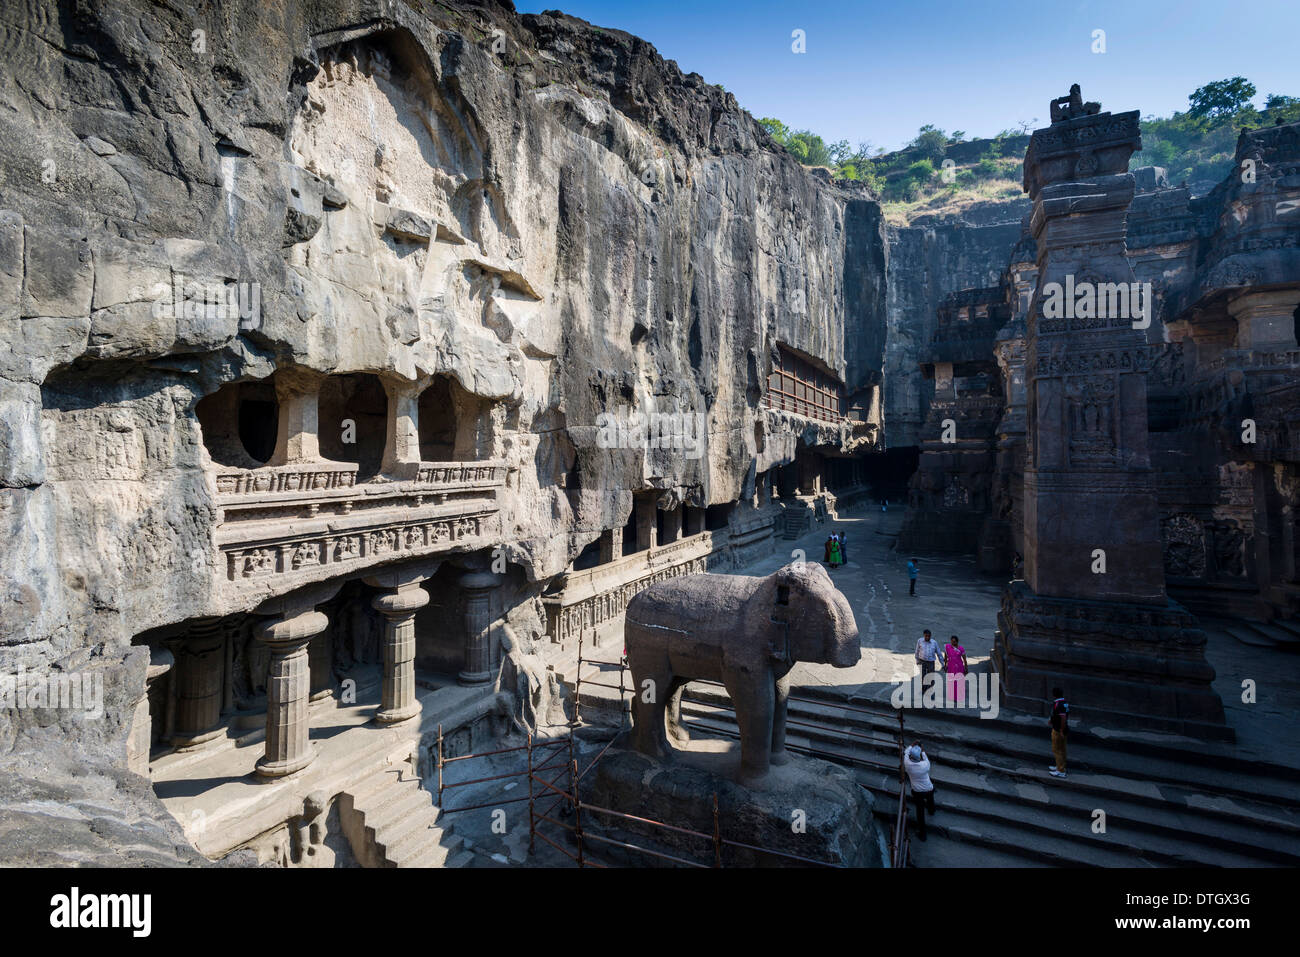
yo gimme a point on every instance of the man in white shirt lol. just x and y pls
(917, 765)
(927, 650)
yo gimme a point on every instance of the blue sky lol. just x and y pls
(877, 71)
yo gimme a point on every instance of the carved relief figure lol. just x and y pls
(1091, 421)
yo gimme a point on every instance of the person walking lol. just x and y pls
(844, 548)
(826, 558)
(836, 555)
(927, 650)
(955, 667)
(917, 765)
(1060, 720)
(912, 572)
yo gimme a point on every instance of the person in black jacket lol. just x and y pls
(1059, 721)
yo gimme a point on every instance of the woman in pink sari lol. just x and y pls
(955, 668)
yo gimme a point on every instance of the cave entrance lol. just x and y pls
(889, 472)
(353, 417)
(239, 423)
(455, 425)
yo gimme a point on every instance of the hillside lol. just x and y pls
(939, 177)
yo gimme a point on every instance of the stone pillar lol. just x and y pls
(611, 545)
(288, 683)
(647, 531)
(320, 658)
(1091, 615)
(402, 439)
(479, 666)
(198, 673)
(398, 608)
(672, 525)
(140, 742)
(297, 438)
(1266, 320)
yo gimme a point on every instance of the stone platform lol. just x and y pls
(808, 808)
(222, 804)
(1132, 666)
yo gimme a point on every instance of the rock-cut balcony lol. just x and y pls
(305, 516)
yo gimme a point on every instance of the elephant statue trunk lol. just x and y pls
(744, 631)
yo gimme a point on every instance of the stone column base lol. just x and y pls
(276, 769)
(1121, 665)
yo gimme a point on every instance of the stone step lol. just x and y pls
(1280, 637)
(989, 823)
(1170, 760)
(1244, 632)
(1216, 808)
(942, 850)
(1003, 839)
(1171, 763)
(394, 815)
(949, 734)
(379, 790)
(415, 821)
(1212, 831)
(398, 816)
(1289, 625)
(414, 843)
(1169, 834)
(437, 854)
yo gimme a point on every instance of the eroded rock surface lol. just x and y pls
(547, 219)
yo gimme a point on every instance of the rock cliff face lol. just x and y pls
(546, 214)
(926, 263)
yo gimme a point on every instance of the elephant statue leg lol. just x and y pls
(779, 754)
(755, 697)
(648, 704)
(677, 732)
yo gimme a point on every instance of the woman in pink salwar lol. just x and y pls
(955, 668)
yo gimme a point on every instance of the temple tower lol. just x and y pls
(1092, 615)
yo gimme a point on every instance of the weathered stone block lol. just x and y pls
(59, 272)
(807, 808)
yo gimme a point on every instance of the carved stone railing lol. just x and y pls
(314, 477)
(326, 476)
(599, 596)
(285, 526)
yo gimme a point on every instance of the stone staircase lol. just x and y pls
(1165, 804)
(391, 821)
(1279, 634)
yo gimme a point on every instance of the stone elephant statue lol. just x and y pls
(743, 631)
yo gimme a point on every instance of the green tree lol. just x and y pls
(1284, 108)
(929, 143)
(1220, 98)
(920, 171)
(779, 131)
